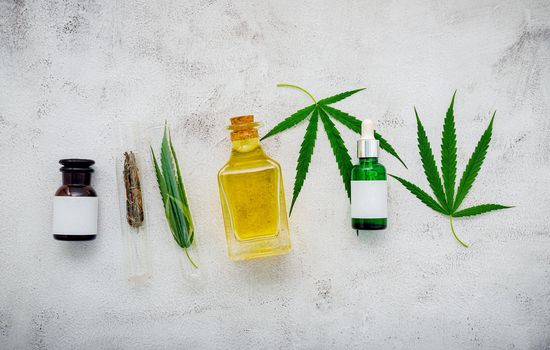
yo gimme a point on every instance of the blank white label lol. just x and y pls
(75, 215)
(369, 199)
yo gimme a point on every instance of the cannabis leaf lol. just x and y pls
(172, 192)
(445, 201)
(321, 110)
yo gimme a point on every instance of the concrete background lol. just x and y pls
(71, 70)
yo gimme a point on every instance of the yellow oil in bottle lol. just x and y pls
(252, 197)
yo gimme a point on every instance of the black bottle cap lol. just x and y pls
(76, 165)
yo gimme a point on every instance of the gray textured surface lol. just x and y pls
(71, 69)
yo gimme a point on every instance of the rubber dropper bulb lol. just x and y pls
(367, 130)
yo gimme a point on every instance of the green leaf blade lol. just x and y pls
(304, 158)
(339, 149)
(184, 207)
(160, 179)
(172, 221)
(291, 121)
(479, 209)
(474, 165)
(354, 124)
(181, 187)
(188, 228)
(344, 118)
(339, 97)
(428, 163)
(385, 145)
(448, 154)
(420, 194)
(167, 166)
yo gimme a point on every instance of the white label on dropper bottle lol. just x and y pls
(369, 199)
(75, 215)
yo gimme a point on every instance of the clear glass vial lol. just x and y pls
(134, 216)
(75, 204)
(252, 197)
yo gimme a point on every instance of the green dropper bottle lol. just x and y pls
(369, 187)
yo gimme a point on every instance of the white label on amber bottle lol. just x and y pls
(75, 215)
(369, 199)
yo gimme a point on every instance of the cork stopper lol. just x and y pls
(242, 119)
(243, 127)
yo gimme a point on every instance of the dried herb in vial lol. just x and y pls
(134, 204)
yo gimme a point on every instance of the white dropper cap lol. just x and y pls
(367, 130)
(367, 145)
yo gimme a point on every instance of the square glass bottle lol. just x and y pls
(252, 197)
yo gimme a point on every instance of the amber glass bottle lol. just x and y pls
(252, 197)
(75, 203)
